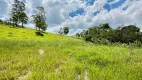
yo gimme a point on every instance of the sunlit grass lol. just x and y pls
(63, 58)
(8, 32)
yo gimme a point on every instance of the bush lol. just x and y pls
(124, 45)
(1, 22)
(88, 38)
(39, 33)
(104, 41)
(137, 43)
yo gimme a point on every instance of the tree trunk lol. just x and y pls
(16, 24)
(22, 24)
(39, 29)
(13, 23)
(36, 28)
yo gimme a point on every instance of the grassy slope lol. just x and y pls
(7, 32)
(64, 58)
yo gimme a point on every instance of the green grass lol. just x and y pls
(64, 58)
(10, 33)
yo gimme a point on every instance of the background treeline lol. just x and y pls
(104, 34)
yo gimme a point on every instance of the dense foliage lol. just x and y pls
(1, 22)
(64, 31)
(17, 14)
(40, 19)
(104, 34)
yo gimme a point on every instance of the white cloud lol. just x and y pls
(3, 8)
(115, 1)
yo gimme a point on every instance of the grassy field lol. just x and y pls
(25, 56)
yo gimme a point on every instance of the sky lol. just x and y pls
(79, 15)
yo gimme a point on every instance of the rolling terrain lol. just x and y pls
(25, 56)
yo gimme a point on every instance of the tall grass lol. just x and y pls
(64, 58)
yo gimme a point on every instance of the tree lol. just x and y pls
(61, 31)
(129, 33)
(78, 35)
(105, 26)
(98, 33)
(24, 18)
(66, 30)
(105, 34)
(22, 15)
(40, 19)
(14, 13)
(1, 21)
(17, 13)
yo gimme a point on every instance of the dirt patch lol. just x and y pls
(41, 51)
(56, 70)
(25, 77)
(86, 75)
(78, 77)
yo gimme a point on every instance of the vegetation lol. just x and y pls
(1, 22)
(105, 34)
(28, 54)
(64, 31)
(39, 33)
(17, 13)
(40, 19)
(25, 56)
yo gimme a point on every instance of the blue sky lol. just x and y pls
(79, 11)
(107, 6)
(82, 14)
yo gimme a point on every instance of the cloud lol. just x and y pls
(120, 13)
(116, 17)
(115, 1)
(3, 8)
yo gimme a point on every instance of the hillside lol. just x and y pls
(25, 56)
(8, 32)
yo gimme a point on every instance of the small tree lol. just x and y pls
(66, 30)
(1, 21)
(40, 19)
(77, 35)
(14, 12)
(105, 26)
(17, 13)
(24, 18)
(61, 31)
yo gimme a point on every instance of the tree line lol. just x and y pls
(18, 16)
(105, 34)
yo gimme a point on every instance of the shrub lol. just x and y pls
(1, 22)
(137, 43)
(124, 45)
(104, 41)
(39, 33)
(88, 38)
